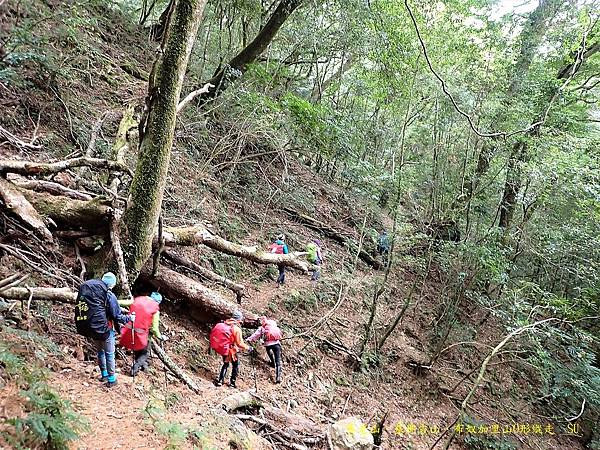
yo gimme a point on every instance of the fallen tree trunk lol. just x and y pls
(238, 289)
(177, 286)
(61, 295)
(69, 213)
(200, 235)
(20, 206)
(50, 187)
(334, 234)
(178, 371)
(39, 168)
(297, 428)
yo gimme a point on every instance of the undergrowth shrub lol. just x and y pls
(49, 422)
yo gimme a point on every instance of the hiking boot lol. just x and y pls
(110, 384)
(232, 385)
(103, 378)
(218, 383)
(278, 375)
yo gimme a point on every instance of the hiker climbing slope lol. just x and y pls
(270, 334)
(315, 257)
(280, 247)
(383, 245)
(97, 313)
(135, 336)
(226, 339)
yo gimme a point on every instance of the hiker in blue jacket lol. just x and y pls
(281, 248)
(97, 313)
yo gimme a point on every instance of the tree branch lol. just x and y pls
(38, 168)
(200, 235)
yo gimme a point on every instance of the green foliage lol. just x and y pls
(48, 422)
(176, 434)
(305, 300)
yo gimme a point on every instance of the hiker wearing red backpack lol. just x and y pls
(226, 339)
(135, 335)
(270, 334)
(279, 247)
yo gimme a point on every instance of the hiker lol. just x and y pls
(226, 339)
(147, 319)
(270, 334)
(279, 247)
(383, 245)
(97, 316)
(315, 257)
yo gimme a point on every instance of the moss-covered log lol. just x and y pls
(209, 305)
(69, 213)
(200, 235)
(157, 129)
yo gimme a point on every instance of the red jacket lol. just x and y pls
(144, 308)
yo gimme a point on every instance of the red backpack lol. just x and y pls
(272, 331)
(276, 248)
(221, 338)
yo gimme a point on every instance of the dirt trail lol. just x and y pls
(115, 415)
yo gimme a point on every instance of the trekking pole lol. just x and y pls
(133, 328)
(133, 345)
(253, 361)
(162, 345)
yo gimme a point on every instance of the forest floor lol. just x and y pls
(155, 410)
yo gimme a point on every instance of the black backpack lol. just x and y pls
(90, 311)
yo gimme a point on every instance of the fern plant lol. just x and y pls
(50, 423)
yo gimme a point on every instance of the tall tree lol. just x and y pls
(519, 151)
(157, 128)
(238, 64)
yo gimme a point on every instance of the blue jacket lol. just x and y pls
(285, 249)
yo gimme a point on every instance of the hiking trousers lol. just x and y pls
(235, 367)
(316, 273)
(281, 278)
(141, 360)
(105, 349)
(274, 354)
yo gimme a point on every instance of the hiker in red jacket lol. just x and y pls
(226, 339)
(135, 335)
(270, 334)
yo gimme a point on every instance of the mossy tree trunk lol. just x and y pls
(157, 129)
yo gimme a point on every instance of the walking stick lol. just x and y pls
(253, 362)
(133, 345)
